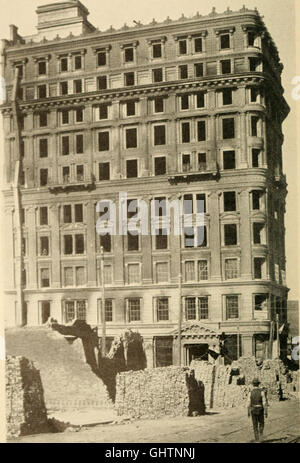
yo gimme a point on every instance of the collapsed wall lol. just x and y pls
(167, 391)
(25, 407)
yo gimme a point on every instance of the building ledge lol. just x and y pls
(188, 177)
(68, 187)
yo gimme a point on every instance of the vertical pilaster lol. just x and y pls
(55, 245)
(244, 143)
(215, 236)
(91, 243)
(147, 250)
(32, 247)
(245, 235)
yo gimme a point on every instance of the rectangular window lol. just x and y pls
(69, 310)
(108, 310)
(251, 39)
(184, 102)
(44, 215)
(103, 111)
(130, 108)
(79, 244)
(129, 79)
(43, 148)
(132, 208)
(68, 244)
(67, 212)
(183, 71)
(231, 269)
(258, 267)
(107, 274)
(261, 302)
(78, 213)
(103, 141)
(229, 201)
(161, 239)
(79, 144)
(185, 132)
(230, 234)
(133, 274)
(42, 91)
(256, 194)
(134, 310)
(104, 171)
(105, 242)
(203, 307)
(157, 75)
(189, 237)
(66, 174)
(22, 178)
(201, 130)
(202, 165)
(65, 116)
(19, 67)
(131, 138)
(132, 242)
(189, 270)
(159, 105)
(156, 50)
(190, 308)
(64, 64)
(101, 58)
(64, 88)
(45, 278)
(22, 148)
(186, 163)
(202, 270)
(131, 168)
(228, 128)
(254, 94)
(253, 64)
(255, 157)
(129, 55)
(201, 203)
(224, 41)
(188, 205)
(160, 207)
(160, 165)
(65, 145)
(228, 160)
(162, 272)
(198, 45)
(254, 126)
(79, 115)
(199, 71)
(77, 62)
(227, 96)
(258, 232)
(80, 173)
(162, 307)
(182, 47)
(43, 119)
(226, 66)
(44, 246)
(78, 86)
(232, 307)
(102, 82)
(200, 100)
(202, 236)
(159, 135)
(80, 276)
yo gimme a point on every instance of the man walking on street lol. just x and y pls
(258, 409)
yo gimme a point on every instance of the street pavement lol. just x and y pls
(219, 426)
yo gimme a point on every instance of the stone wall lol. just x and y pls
(167, 391)
(25, 407)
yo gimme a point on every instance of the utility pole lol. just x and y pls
(277, 335)
(103, 344)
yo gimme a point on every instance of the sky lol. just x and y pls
(279, 17)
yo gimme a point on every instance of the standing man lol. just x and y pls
(258, 409)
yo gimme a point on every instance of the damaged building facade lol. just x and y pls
(187, 109)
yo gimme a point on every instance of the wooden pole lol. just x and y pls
(103, 343)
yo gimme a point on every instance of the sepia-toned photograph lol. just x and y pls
(149, 224)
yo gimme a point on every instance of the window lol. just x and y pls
(203, 307)
(79, 244)
(43, 119)
(160, 207)
(134, 310)
(202, 166)
(102, 82)
(254, 94)
(258, 267)
(201, 130)
(226, 66)
(75, 309)
(66, 174)
(67, 212)
(162, 272)
(258, 229)
(202, 236)
(64, 64)
(68, 244)
(43, 147)
(108, 310)
(44, 246)
(202, 270)
(184, 102)
(105, 242)
(188, 204)
(22, 148)
(254, 64)
(201, 203)
(78, 213)
(228, 128)
(162, 308)
(24, 278)
(65, 145)
(232, 307)
(20, 69)
(157, 75)
(185, 132)
(251, 39)
(224, 41)
(255, 157)
(22, 214)
(158, 104)
(101, 58)
(129, 79)
(159, 135)
(103, 141)
(131, 138)
(189, 270)
(104, 171)
(261, 302)
(199, 71)
(45, 278)
(186, 163)
(79, 115)
(183, 71)
(231, 269)
(230, 234)
(228, 160)
(160, 165)
(161, 239)
(42, 91)
(189, 237)
(129, 55)
(156, 50)
(80, 276)
(131, 168)
(198, 45)
(256, 194)
(132, 242)
(229, 201)
(190, 308)
(80, 173)
(103, 111)
(68, 276)
(77, 62)
(107, 274)
(130, 108)
(200, 100)
(78, 86)
(64, 88)
(22, 178)
(79, 144)
(182, 47)
(227, 96)
(132, 208)
(254, 126)
(133, 273)
(42, 68)
(65, 116)
(44, 215)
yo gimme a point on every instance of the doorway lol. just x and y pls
(45, 311)
(196, 352)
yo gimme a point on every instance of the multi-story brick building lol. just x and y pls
(188, 109)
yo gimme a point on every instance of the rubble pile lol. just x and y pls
(167, 391)
(25, 407)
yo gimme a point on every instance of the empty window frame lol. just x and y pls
(131, 138)
(261, 302)
(105, 242)
(80, 173)
(78, 209)
(42, 91)
(66, 174)
(200, 100)
(103, 111)
(102, 82)
(77, 86)
(45, 278)
(129, 79)
(184, 102)
(78, 62)
(229, 198)
(79, 244)
(43, 119)
(186, 163)
(224, 41)
(230, 234)
(64, 64)
(128, 54)
(254, 126)
(44, 215)
(161, 239)
(229, 160)
(104, 171)
(65, 140)
(101, 58)
(185, 132)
(68, 244)
(201, 130)
(228, 127)
(202, 162)
(258, 267)
(103, 141)
(256, 200)
(182, 46)
(256, 156)
(227, 96)
(157, 75)
(159, 135)
(156, 50)
(258, 232)
(64, 88)
(130, 108)
(67, 213)
(131, 168)
(43, 177)
(44, 246)
(43, 142)
(183, 71)
(79, 144)
(199, 69)
(159, 104)
(160, 165)
(198, 44)
(132, 241)
(226, 66)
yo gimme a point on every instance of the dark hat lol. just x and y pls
(255, 382)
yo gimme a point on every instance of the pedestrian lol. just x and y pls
(258, 409)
